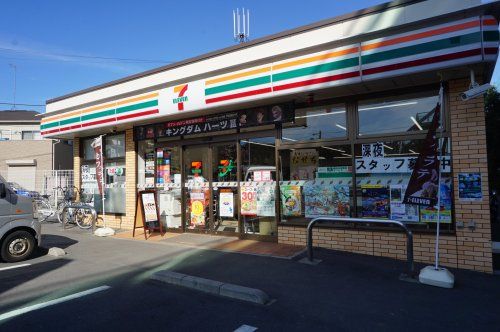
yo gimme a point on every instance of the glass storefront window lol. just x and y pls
(88, 150)
(383, 170)
(316, 123)
(168, 166)
(115, 146)
(316, 182)
(114, 174)
(114, 187)
(145, 164)
(407, 113)
(258, 185)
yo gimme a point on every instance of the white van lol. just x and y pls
(20, 232)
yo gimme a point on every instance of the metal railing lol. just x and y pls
(409, 235)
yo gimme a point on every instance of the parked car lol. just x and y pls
(270, 170)
(20, 231)
(18, 189)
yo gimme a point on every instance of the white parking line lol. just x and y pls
(245, 328)
(13, 267)
(37, 306)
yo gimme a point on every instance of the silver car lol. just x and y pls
(20, 231)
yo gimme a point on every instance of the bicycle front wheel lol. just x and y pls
(84, 218)
(67, 216)
(60, 210)
(44, 210)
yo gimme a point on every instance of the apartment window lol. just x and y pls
(31, 135)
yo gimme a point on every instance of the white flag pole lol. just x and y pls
(434, 275)
(103, 182)
(104, 231)
(439, 180)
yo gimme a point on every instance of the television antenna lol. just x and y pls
(241, 25)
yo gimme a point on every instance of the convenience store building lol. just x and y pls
(327, 119)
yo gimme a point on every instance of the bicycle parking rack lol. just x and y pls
(410, 276)
(80, 206)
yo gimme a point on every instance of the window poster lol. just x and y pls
(291, 204)
(149, 169)
(326, 200)
(303, 164)
(400, 211)
(469, 187)
(375, 201)
(266, 201)
(197, 201)
(248, 200)
(226, 203)
(429, 214)
(163, 166)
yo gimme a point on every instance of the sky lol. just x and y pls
(51, 48)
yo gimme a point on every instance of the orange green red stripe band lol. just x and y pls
(421, 35)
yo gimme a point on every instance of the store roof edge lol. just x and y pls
(313, 26)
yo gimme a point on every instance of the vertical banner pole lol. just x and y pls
(438, 213)
(103, 182)
(440, 155)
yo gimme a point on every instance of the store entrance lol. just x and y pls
(211, 188)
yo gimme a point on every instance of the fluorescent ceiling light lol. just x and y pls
(263, 144)
(289, 139)
(328, 148)
(341, 127)
(322, 158)
(345, 154)
(319, 114)
(413, 151)
(388, 147)
(388, 106)
(416, 123)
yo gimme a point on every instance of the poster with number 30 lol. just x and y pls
(249, 201)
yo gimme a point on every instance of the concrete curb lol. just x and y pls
(212, 286)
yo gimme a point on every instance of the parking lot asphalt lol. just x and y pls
(345, 292)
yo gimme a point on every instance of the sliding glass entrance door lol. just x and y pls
(225, 188)
(196, 188)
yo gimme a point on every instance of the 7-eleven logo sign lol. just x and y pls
(180, 90)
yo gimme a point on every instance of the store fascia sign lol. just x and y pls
(249, 117)
(181, 98)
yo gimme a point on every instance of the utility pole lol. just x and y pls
(13, 66)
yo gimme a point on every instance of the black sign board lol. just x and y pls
(251, 117)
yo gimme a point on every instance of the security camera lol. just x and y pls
(475, 91)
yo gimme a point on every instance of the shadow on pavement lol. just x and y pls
(51, 240)
(12, 278)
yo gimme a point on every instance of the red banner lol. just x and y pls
(97, 145)
(423, 186)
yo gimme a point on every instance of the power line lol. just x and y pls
(17, 104)
(80, 56)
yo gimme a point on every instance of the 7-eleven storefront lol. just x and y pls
(256, 140)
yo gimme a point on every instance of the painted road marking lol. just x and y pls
(13, 267)
(24, 310)
(245, 328)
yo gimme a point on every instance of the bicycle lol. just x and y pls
(69, 195)
(44, 209)
(80, 213)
